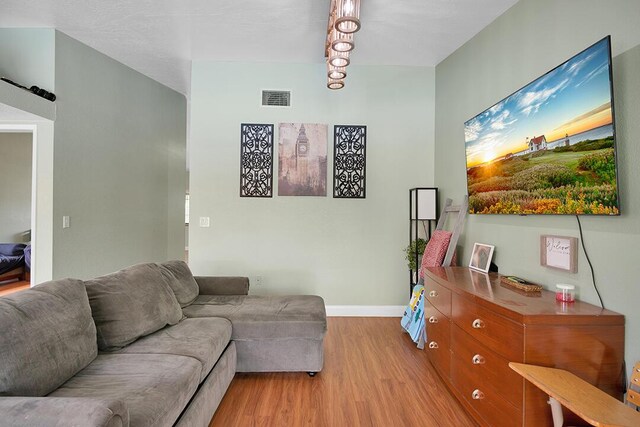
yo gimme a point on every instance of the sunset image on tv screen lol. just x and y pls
(549, 148)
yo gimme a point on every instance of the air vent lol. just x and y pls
(277, 98)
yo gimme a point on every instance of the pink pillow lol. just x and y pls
(436, 250)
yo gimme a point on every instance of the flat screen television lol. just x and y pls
(550, 147)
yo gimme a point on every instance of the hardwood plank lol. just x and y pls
(373, 376)
(9, 288)
(590, 403)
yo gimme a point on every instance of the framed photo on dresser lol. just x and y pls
(481, 257)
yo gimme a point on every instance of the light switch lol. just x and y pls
(204, 221)
(65, 221)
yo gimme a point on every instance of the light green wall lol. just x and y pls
(119, 164)
(27, 56)
(528, 40)
(348, 251)
(15, 186)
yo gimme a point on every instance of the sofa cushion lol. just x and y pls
(155, 387)
(265, 317)
(130, 304)
(181, 280)
(63, 412)
(47, 335)
(203, 339)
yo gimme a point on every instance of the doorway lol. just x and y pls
(16, 209)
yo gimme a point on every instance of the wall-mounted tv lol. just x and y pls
(548, 148)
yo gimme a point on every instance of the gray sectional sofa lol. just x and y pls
(149, 345)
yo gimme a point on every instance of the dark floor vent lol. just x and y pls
(277, 98)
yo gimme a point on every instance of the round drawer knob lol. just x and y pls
(478, 360)
(477, 395)
(433, 319)
(433, 344)
(477, 324)
(433, 294)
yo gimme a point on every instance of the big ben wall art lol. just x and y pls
(302, 159)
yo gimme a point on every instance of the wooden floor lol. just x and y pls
(373, 376)
(9, 288)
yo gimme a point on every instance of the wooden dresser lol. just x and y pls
(476, 326)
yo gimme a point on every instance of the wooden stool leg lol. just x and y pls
(556, 412)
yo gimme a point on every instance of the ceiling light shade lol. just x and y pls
(341, 42)
(347, 16)
(335, 84)
(336, 73)
(339, 59)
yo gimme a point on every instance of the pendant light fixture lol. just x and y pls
(336, 73)
(335, 84)
(347, 16)
(339, 59)
(341, 42)
(344, 21)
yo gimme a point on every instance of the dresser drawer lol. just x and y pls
(486, 365)
(437, 345)
(500, 334)
(488, 403)
(438, 296)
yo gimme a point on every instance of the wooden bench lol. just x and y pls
(588, 402)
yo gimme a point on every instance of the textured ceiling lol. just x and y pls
(160, 38)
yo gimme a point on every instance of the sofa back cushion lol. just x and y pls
(130, 304)
(181, 280)
(47, 335)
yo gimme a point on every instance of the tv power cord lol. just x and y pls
(584, 249)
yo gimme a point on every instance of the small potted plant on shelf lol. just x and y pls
(410, 253)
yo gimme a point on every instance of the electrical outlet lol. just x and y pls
(65, 221)
(258, 280)
(204, 221)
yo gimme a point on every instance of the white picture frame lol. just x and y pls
(559, 252)
(481, 257)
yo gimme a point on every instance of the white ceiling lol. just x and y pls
(160, 38)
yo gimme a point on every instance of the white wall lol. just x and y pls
(120, 169)
(348, 251)
(15, 186)
(525, 42)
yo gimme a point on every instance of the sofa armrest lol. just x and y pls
(63, 411)
(229, 285)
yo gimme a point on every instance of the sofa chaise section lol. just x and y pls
(271, 333)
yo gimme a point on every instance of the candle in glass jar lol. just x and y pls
(565, 293)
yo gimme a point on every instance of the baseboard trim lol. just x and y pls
(365, 310)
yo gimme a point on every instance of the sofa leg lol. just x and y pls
(312, 374)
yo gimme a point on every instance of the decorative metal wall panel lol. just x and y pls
(349, 161)
(256, 160)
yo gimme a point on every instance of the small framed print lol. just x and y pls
(559, 252)
(481, 257)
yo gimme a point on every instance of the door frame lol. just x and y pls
(33, 130)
